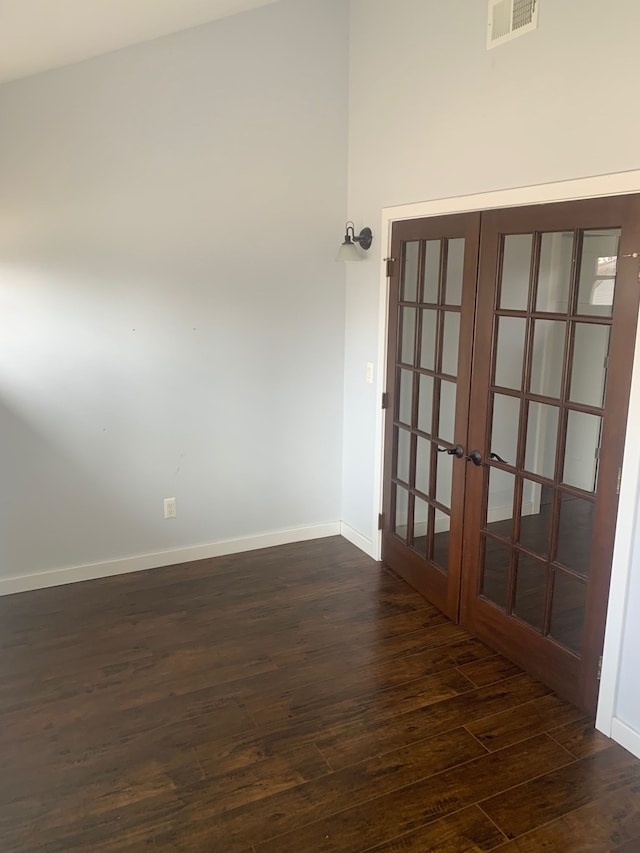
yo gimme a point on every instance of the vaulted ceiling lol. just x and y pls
(36, 35)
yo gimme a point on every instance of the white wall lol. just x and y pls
(434, 115)
(172, 319)
(628, 704)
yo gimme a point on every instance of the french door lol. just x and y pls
(510, 349)
(431, 319)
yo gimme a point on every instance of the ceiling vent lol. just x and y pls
(509, 19)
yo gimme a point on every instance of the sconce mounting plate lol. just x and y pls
(364, 238)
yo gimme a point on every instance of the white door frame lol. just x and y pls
(621, 183)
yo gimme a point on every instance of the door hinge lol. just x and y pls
(619, 480)
(385, 400)
(380, 521)
(633, 255)
(389, 262)
(599, 676)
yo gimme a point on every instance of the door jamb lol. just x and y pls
(621, 183)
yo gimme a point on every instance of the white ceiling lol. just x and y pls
(36, 35)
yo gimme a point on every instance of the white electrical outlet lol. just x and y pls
(370, 372)
(170, 508)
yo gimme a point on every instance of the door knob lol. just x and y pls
(476, 457)
(499, 458)
(457, 451)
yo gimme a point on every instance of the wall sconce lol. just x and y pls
(348, 250)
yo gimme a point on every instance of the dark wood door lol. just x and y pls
(511, 338)
(556, 318)
(432, 303)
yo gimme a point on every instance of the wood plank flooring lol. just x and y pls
(299, 699)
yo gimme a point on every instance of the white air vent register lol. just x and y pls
(509, 19)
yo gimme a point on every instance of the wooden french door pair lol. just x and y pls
(511, 337)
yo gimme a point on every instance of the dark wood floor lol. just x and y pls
(294, 700)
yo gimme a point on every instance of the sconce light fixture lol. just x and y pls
(348, 250)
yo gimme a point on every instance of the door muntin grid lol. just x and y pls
(551, 336)
(426, 364)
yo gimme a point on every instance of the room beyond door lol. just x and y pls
(510, 350)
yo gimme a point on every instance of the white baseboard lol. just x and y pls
(91, 571)
(357, 539)
(626, 736)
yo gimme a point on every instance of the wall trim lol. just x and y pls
(92, 571)
(622, 563)
(363, 542)
(620, 183)
(626, 736)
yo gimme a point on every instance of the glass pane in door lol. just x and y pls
(516, 265)
(536, 511)
(409, 290)
(554, 272)
(542, 436)
(423, 465)
(598, 268)
(511, 339)
(421, 526)
(442, 526)
(455, 265)
(504, 427)
(451, 342)
(425, 403)
(590, 364)
(444, 474)
(531, 591)
(575, 532)
(405, 396)
(500, 498)
(428, 338)
(403, 455)
(581, 450)
(408, 335)
(495, 575)
(431, 284)
(446, 428)
(567, 610)
(401, 514)
(548, 352)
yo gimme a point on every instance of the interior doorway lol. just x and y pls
(509, 364)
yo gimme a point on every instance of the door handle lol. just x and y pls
(475, 456)
(457, 451)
